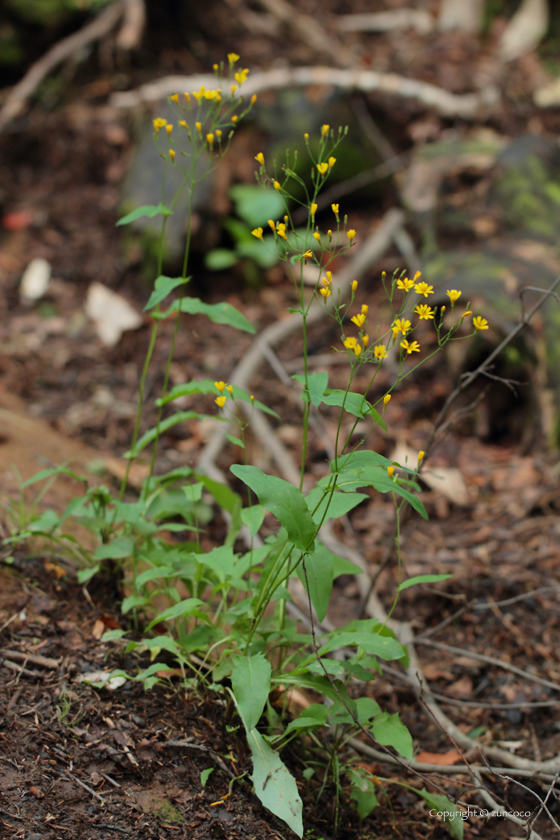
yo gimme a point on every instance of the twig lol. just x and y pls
(390, 21)
(467, 106)
(448, 770)
(498, 809)
(93, 31)
(190, 746)
(83, 784)
(34, 658)
(491, 660)
(134, 20)
(20, 669)
(516, 598)
(9, 621)
(309, 30)
(483, 368)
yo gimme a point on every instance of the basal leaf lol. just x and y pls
(283, 500)
(442, 805)
(149, 211)
(274, 784)
(253, 518)
(255, 205)
(162, 287)
(119, 548)
(339, 504)
(184, 608)
(250, 679)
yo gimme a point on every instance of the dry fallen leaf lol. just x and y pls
(448, 481)
(445, 759)
(110, 313)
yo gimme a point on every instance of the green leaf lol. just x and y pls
(253, 518)
(365, 801)
(339, 504)
(228, 500)
(284, 501)
(366, 635)
(317, 383)
(219, 313)
(341, 566)
(250, 679)
(391, 732)
(350, 479)
(274, 784)
(355, 404)
(205, 775)
(118, 549)
(132, 602)
(149, 211)
(442, 805)
(319, 567)
(255, 205)
(366, 708)
(163, 286)
(86, 574)
(422, 579)
(52, 471)
(235, 440)
(166, 424)
(312, 717)
(180, 610)
(219, 259)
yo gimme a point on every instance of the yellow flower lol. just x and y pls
(258, 232)
(240, 76)
(390, 471)
(184, 124)
(210, 139)
(172, 155)
(313, 210)
(272, 225)
(260, 158)
(421, 456)
(281, 230)
(358, 320)
(417, 275)
(277, 186)
(220, 401)
(480, 323)
(232, 57)
(215, 68)
(230, 389)
(187, 97)
(233, 89)
(406, 284)
(423, 289)
(175, 97)
(159, 123)
(322, 167)
(358, 350)
(365, 339)
(350, 342)
(453, 295)
(198, 127)
(317, 236)
(306, 136)
(413, 347)
(402, 325)
(252, 398)
(466, 314)
(386, 399)
(307, 255)
(354, 285)
(169, 129)
(219, 135)
(324, 130)
(424, 312)
(234, 118)
(329, 276)
(380, 353)
(334, 208)
(351, 234)
(332, 161)
(365, 309)
(325, 292)
(220, 386)
(253, 99)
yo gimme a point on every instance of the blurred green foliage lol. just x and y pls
(50, 13)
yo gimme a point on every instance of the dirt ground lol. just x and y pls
(79, 761)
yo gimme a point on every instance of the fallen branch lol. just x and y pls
(467, 106)
(93, 31)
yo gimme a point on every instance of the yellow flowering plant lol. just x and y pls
(226, 613)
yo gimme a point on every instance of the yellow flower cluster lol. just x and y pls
(326, 282)
(221, 387)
